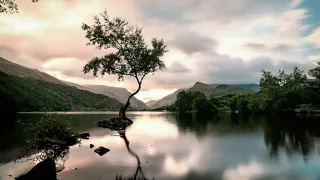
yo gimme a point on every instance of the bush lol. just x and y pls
(50, 126)
(215, 101)
(201, 104)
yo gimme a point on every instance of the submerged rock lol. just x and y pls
(67, 141)
(49, 141)
(115, 123)
(101, 150)
(46, 169)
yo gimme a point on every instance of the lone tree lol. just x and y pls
(9, 6)
(127, 53)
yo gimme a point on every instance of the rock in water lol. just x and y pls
(115, 124)
(46, 169)
(91, 145)
(101, 150)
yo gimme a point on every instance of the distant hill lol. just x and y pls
(151, 103)
(167, 100)
(201, 87)
(120, 94)
(14, 69)
(207, 89)
(36, 95)
(251, 86)
(218, 89)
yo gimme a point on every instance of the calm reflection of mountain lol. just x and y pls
(185, 146)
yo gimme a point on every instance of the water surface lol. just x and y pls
(173, 146)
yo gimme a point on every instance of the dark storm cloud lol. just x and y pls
(191, 42)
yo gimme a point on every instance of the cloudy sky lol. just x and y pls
(212, 41)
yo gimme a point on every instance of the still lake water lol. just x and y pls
(170, 146)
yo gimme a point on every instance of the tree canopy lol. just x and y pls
(9, 6)
(130, 54)
(282, 92)
(314, 86)
(127, 53)
(188, 101)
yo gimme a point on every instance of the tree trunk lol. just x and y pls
(122, 111)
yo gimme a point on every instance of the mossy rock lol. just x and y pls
(115, 123)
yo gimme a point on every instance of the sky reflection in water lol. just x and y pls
(172, 147)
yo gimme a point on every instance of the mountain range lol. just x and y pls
(120, 94)
(14, 69)
(21, 82)
(167, 100)
(208, 89)
(33, 89)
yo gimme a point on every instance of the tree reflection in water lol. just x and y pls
(139, 168)
(288, 134)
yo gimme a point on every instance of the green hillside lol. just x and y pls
(251, 86)
(208, 89)
(14, 69)
(36, 95)
(218, 90)
(223, 90)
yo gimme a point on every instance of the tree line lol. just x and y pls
(279, 93)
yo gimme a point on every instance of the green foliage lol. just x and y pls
(233, 103)
(279, 93)
(188, 101)
(242, 104)
(131, 56)
(37, 95)
(51, 126)
(201, 104)
(225, 101)
(313, 93)
(283, 91)
(215, 101)
(254, 104)
(184, 101)
(9, 6)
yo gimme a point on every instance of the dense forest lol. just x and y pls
(36, 95)
(282, 92)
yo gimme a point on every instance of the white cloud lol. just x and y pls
(315, 58)
(314, 37)
(207, 39)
